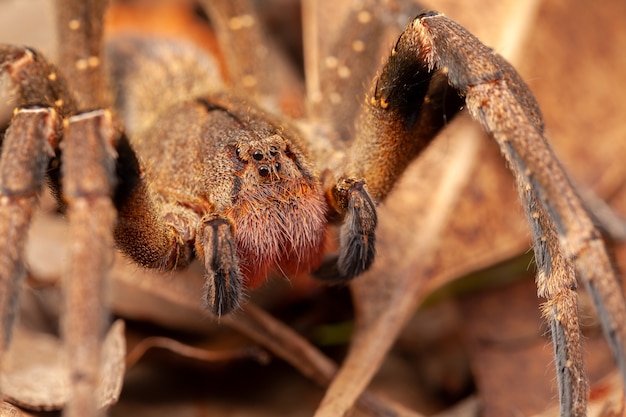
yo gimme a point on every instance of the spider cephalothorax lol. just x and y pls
(241, 191)
(176, 168)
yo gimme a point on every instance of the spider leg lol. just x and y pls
(498, 98)
(159, 226)
(507, 110)
(167, 233)
(86, 187)
(384, 145)
(607, 220)
(88, 180)
(342, 46)
(357, 238)
(256, 68)
(87, 151)
(141, 219)
(216, 246)
(31, 142)
(28, 145)
(80, 26)
(26, 151)
(533, 162)
(556, 282)
(236, 25)
(407, 106)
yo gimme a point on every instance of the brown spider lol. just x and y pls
(176, 167)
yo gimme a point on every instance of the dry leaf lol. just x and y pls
(9, 410)
(182, 295)
(35, 375)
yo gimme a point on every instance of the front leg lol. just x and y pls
(434, 55)
(351, 199)
(153, 234)
(167, 234)
(215, 244)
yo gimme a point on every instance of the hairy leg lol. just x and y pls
(405, 99)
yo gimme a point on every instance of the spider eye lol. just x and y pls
(264, 171)
(257, 155)
(273, 150)
(238, 151)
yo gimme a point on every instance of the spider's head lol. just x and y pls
(278, 209)
(258, 176)
(268, 160)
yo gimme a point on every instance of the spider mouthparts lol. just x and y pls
(281, 227)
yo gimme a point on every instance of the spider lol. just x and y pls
(182, 155)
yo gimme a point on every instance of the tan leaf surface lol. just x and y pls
(9, 410)
(35, 373)
(182, 297)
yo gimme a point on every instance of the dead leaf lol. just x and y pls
(35, 375)
(9, 410)
(509, 350)
(182, 294)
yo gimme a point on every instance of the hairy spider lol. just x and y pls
(174, 154)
